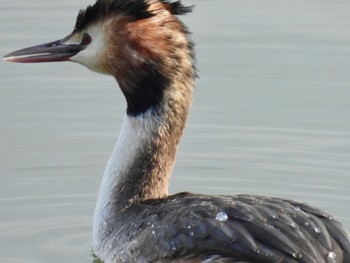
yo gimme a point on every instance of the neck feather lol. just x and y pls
(143, 158)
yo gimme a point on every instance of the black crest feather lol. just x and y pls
(177, 8)
(135, 9)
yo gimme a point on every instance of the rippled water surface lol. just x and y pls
(271, 116)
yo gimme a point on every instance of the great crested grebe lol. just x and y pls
(146, 48)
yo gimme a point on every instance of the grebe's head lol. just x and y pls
(113, 34)
(139, 42)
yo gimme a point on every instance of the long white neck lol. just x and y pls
(141, 163)
(130, 142)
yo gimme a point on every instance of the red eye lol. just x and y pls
(86, 39)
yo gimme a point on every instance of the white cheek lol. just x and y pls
(90, 59)
(92, 56)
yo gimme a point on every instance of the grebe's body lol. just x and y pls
(146, 48)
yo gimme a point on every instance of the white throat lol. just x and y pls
(125, 150)
(136, 134)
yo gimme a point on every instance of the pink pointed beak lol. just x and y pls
(49, 52)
